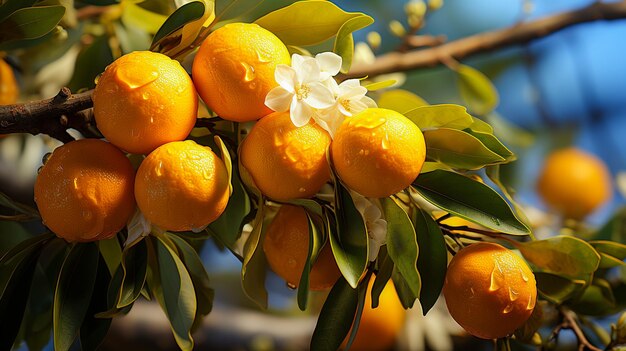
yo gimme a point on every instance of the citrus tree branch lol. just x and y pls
(520, 33)
(54, 116)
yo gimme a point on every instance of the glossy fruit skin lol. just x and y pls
(84, 192)
(379, 327)
(144, 100)
(378, 152)
(182, 186)
(234, 70)
(574, 183)
(9, 90)
(286, 248)
(284, 161)
(489, 290)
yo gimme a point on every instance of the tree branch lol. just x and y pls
(489, 41)
(54, 116)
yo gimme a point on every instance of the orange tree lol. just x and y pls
(364, 169)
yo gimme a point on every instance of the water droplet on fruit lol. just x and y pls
(87, 215)
(513, 295)
(385, 142)
(531, 303)
(145, 95)
(524, 276)
(207, 175)
(249, 72)
(508, 308)
(302, 190)
(495, 280)
(132, 78)
(291, 286)
(75, 183)
(151, 119)
(159, 169)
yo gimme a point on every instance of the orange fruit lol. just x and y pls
(378, 152)
(234, 70)
(9, 90)
(489, 290)
(286, 162)
(84, 191)
(182, 186)
(286, 248)
(143, 100)
(574, 182)
(379, 328)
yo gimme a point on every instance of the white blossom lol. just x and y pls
(350, 99)
(138, 227)
(375, 224)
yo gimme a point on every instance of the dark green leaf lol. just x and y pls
(596, 300)
(362, 293)
(178, 294)
(349, 242)
(406, 296)
(201, 284)
(493, 172)
(29, 23)
(476, 90)
(344, 42)
(385, 269)
(613, 254)
(469, 199)
(614, 229)
(557, 289)
(315, 245)
(94, 329)
(336, 317)
(458, 149)
(440, 116)
(432, 262)
(503, 344)
(187, 13)
(562, 255)
(295, 25)
(134, 266)
(402, 244)
(111, 251)
(10, 6)
(15, 293)
(100, 2)
(91, 61)
(253, 269)
(73, 293)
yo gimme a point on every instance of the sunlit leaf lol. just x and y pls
(493, 144)
(402, 243)
(133, 15)
(29, 23)
(111, 251)
(440, 116)
(477, 90)
(295, 24)
(380, 85)
(432, 262)
(336, 317)
(190, 11)
(458, 149)
(73, 293)
(184, 38)
(563, 255)
(400, 100)
(469, 199)
(344, 42)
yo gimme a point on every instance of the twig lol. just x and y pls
(489, 41)
(570, 322)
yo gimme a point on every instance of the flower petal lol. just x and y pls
(356, 106)
(300, 113)
(319, 96)
(330, 64)
(370, 103)
(278, 99)
(286, 77)
(307, 71)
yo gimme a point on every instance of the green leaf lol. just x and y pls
(406, 296)
(10, 6)
(380, 85)
(100, 2)
(385, 270)
(187, 13)
(491, 142)
(432, 262)
(201, 284)
(440, 116)
(295, 25)
(135, 15)
(469, 199)
(566, 256)
(614, 229)
(556, 288)
(73, 293)
(481, 126)
(91, 61)
(613, 254)
(596, 300)
(94, 330)
(402, 243)
(400, 100)
(349, 241)
(477, 90)
(344, 42)
(7, 202)
(29, 23)
(111, 251)
(179, 299)
(493, 172)
(429, 166)
(134, 266)
(15, 291)
(315, 245)
(458, 149)
(336, 317)
(228, 163)
(362, 293)
(253, 268)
